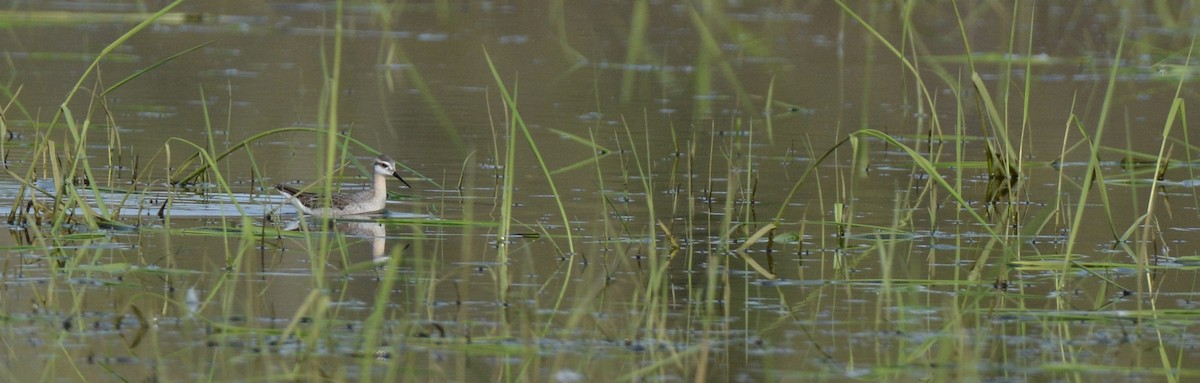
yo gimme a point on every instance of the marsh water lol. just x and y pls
(646, 191)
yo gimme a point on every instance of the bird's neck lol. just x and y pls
(380, 188)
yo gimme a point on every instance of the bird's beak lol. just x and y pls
(397, 175)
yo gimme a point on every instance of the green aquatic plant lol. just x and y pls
(75, 168)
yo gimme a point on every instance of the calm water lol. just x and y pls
(676, 106)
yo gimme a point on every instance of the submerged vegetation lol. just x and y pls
(706, 218)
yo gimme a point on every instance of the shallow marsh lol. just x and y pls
(688, 191)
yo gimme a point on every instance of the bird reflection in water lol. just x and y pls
(358, 227)
(371, 230)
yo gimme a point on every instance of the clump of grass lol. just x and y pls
(66, 163)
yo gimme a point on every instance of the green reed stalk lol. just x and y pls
(507, 198)
(511, 103)
(418, 82)
(710, 53)
(330, 103)
(104, 52)
(635, 49)
(1002, 160)
(767, 115)
(151, 67)
(653, 303)
(390, 53)
(178, 177)
(557, 15)
(1146, 284)
(751, 181)
(908, 65)
(1027, 92)
(1091, 171)
(4, 125)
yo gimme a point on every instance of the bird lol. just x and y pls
(365, 201)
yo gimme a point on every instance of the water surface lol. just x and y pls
(653, 122)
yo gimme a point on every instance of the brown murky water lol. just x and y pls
(673, 97)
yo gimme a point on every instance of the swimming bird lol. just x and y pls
(370, 200)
